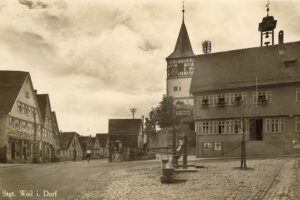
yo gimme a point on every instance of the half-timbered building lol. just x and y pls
(20, 118)
(48, 138)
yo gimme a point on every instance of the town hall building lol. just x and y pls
(252, 92)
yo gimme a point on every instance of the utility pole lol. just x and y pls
(133, 110)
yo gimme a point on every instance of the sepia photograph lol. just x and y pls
(149, 100)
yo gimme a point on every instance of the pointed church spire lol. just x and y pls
(183, 46)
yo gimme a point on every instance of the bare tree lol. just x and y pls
(245, 113)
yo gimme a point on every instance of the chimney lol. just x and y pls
(280, 37)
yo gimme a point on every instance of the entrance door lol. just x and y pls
(259, 129)
(13, 151)
(207, 149)
(256, 129)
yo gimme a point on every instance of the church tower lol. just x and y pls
(180, 67)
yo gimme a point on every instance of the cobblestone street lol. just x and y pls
(219, 179)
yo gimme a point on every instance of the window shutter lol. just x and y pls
(267, 125)
(200, 127)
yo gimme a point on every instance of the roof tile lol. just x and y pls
(239, 68)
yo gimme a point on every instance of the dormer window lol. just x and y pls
(289, 66)
(290, 63)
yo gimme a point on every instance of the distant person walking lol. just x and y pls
(88, 155)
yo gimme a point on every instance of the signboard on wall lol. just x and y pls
(183, 110)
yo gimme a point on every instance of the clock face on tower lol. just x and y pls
(173, 72)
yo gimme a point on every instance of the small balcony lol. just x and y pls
(221, 101)
(262, 99)
(237, 100)
(205, 103)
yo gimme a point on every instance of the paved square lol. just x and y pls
(219, 179)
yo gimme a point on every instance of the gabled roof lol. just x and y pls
(183, 46)
(66, 139)
(239, 68)
(43, 100)
(102, 139)
(11, 83)
(83, 145)
(124, 126)
(93, 140)
(85, 141)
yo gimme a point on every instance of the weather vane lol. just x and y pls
(268, 8)
(183, 10)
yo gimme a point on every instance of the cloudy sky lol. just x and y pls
(98, 58)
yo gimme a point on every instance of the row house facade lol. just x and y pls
(126, 133)
(70, 146)
(22, 126)
(89, 143)
(125, 139)
(56, 135)
(96, 148)
(86, 144)
(49, 138)
(103, 143)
